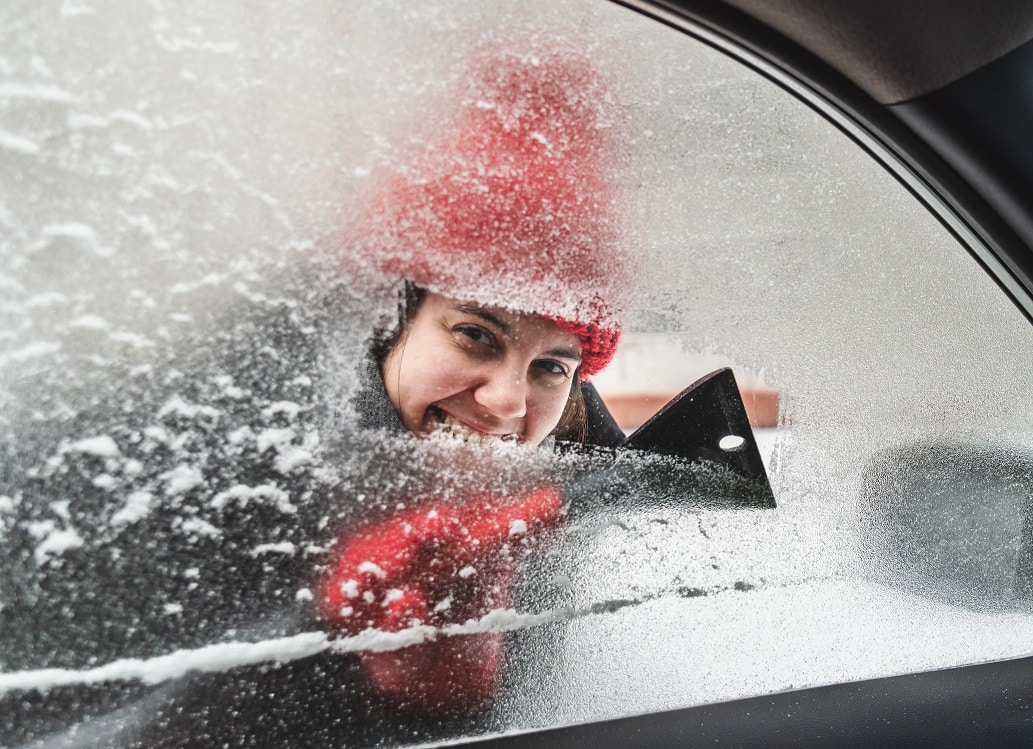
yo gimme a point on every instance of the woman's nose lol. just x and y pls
(504, 393)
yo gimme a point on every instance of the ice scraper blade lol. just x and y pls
(707, 422)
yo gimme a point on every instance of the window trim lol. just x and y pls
(980, 228)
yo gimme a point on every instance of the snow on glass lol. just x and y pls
(181, 335)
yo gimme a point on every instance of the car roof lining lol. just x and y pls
(897, 50)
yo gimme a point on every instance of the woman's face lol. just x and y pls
(480, 372)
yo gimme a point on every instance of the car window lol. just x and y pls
(193, 440)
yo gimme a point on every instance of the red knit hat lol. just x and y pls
(512, 206)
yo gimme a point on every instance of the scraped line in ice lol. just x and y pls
(229, 655)
(211, 658)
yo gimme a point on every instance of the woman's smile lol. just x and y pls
(440, 422)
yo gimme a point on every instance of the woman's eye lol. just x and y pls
(552, 367)
(475, 334)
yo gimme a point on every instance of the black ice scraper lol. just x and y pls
(706, 422)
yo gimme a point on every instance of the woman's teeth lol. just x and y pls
(447, 425)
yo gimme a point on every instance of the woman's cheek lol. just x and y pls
(543, 417)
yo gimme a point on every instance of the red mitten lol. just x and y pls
(437, 564)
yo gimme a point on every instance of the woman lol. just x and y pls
(481, 373)
(501, 241)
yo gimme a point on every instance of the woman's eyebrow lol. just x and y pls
(564, 353)
(472, 309)
(503, 327)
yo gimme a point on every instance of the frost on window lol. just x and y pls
(186, 320)
(899, 454)
(200, 210)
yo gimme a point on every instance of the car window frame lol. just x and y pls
(987, 235)
(988, 238)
